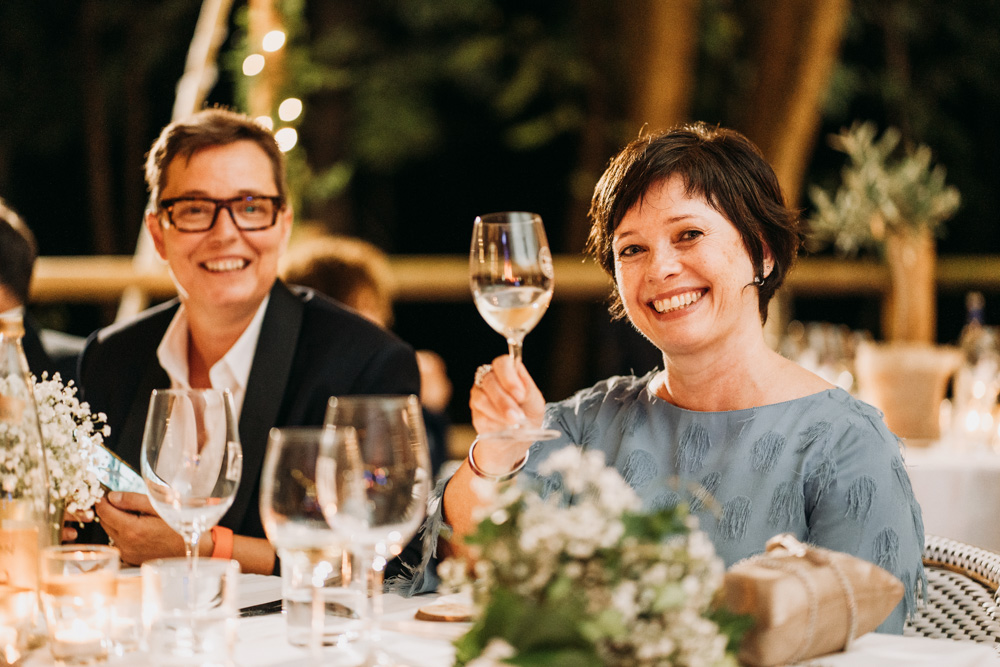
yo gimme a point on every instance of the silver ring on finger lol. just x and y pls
(481, 373)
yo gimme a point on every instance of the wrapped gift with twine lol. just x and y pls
(806, 601)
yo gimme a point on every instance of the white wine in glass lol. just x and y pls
(191, 459)
(511, 276)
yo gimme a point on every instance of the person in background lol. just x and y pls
(358, 274)
(692, 227)
(220, 216)
(47, 351)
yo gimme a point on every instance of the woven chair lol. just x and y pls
(961, 598)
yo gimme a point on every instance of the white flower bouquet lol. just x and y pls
(70, 433)
(580, 576)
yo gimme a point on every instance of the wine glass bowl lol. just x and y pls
(511, 277)
(375, 486)
(510, 272)
(191, 459)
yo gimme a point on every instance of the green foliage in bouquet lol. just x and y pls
(581, 576)
(883, 190)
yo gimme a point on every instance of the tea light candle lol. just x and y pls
(78, 640)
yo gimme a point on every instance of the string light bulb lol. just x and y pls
(273, 41)
(290, 109)
(253, 64)
(286, 137)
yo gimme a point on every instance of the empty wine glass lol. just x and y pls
(191, 459)
(294, 522)
(510, 272)
(374, 488)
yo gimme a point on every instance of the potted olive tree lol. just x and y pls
(894, 201)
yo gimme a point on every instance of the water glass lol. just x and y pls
(126, 617)
(343, 597)
(190, 615)
(77, 595)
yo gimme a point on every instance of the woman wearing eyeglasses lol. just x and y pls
(219, 216)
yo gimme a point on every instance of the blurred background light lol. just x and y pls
(253, 64)
(290, 109)
(286, 137)
(273, 41)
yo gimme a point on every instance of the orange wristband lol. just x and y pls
(222, 542)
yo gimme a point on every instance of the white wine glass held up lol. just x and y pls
(511, 276)
(191, 460)
(373, 488)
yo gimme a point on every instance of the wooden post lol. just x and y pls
(262, 95)
(909, 313)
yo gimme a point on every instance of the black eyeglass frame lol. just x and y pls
(167, 205)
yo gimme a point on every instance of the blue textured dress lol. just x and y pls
(823, 467)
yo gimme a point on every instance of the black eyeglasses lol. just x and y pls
(198, 214)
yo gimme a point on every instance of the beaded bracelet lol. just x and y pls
(494, 478)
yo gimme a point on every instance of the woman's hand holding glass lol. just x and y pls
(505, 395)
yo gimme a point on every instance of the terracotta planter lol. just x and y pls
(907, 382)
(911, 305)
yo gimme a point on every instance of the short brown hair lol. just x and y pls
(18, 251)
(342, 267)
(204, 129)
(718, 164)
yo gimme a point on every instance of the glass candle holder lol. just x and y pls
(77, 586)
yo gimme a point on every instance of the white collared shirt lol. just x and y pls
(16, 311)
(231, 372)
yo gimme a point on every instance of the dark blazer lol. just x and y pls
(310, 348)
(39, 360)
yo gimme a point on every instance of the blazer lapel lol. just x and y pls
(272, 364)
(129, 439)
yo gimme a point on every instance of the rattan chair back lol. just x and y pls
(961, 599)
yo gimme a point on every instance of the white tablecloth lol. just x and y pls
(958, 492)
(415, 643)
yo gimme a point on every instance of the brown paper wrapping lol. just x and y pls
(799, 603)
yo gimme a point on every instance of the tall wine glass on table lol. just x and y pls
(191, 460)
(311, 552)
(511, 276)
(374, 488)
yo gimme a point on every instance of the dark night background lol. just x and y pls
(443, 109)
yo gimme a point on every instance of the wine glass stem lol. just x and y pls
(376, 575)
(317, 620)
(514, 346)
(191, 547)
(191, 552)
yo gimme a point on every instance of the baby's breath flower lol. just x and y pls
(70, 434)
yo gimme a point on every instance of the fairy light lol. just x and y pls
(253, 64)
(273, 41)
(286, 137)
(290, 109)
